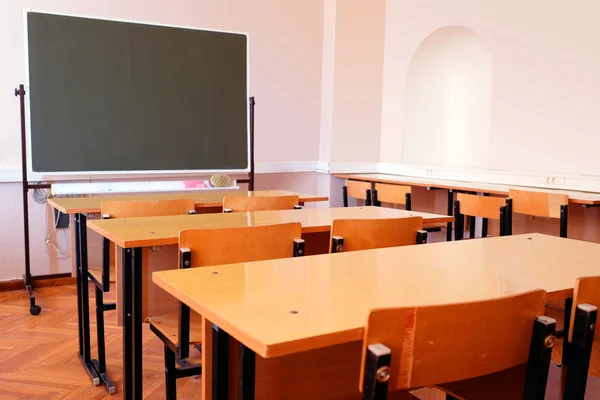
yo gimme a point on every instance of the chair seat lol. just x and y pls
(168, 325)
(509, 384)
(96, 272)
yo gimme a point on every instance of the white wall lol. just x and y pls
(286, 50)
(545, 85)
(352, 80)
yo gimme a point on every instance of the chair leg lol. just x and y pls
(170, 374)
(472, 223)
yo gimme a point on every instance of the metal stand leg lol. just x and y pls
(246, 373)
(82, 271)
(220, 368)
(127, 325)
(450, 206)
(25, 186)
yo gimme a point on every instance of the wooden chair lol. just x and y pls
(266, 203)
(357, 190)
(208, 247)
(587, 291)
(538, 204)
(472, 206)
(394, 194)
(570, 380)
(409, 348)
(102, 276)
(365, 234)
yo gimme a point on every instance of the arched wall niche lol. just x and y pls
(447, 108)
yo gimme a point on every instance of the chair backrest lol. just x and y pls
(587, 291)
(262, 203)
(146, 208)
(358, 189)
(394, 194)
(236, 245)
(480, 206)
(438, 344)
(537, 204)
(365, 234)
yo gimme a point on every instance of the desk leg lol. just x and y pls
(450, 209)
(84, 298)
(127, 324)
(246, 370)
(78, 279)
(132, 324)
(220, 367)
(484, 223)
(137, 323)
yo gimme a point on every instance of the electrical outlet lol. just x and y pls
(554, 180)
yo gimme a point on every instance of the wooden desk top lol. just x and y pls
(203, 199)
(588, 198)
(334, 293)
(156, 231)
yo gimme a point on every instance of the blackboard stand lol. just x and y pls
(28, 279)
(250, 180)
(34, 309)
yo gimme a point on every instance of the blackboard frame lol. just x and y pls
(71, 175)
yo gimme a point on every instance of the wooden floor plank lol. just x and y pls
(38, 354)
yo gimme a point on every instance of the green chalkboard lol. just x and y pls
(118, 96)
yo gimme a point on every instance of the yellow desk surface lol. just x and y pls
(202, 199)
(333, 293)
(588, 198)
(156, 231)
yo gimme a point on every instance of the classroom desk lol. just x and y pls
(304, 317)
(82, 207)
(158, 231)
(580, 224)
(134, 234)
(206, 199)
(584, 198)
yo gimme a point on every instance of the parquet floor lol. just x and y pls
(38, 354)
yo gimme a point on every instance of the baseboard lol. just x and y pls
(15, 284)
(38, 282)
